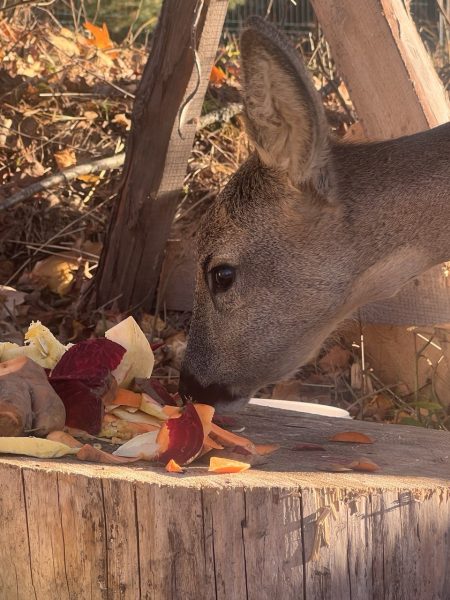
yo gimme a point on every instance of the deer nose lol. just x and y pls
(214, 394)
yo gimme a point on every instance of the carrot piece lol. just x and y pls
(64, 438)
(351, 437)
(211, 444)
(91, 454)
(264, 449)
(127, 398)
(228, 438)
(173, 467)
(173, 412)
(206, 413)
(226, 465)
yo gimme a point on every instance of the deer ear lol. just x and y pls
(284, 116)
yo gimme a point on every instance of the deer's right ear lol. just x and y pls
(284, 116)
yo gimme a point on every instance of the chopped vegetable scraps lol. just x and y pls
(138, 360)
(352, 437)
(225, 465)
(33, 446)
(173, 467)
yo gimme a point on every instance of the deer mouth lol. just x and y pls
(220, 396)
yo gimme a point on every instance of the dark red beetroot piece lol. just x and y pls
(83, 380)
(181, 439)
(155, 390)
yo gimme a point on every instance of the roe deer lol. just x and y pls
(306, 231)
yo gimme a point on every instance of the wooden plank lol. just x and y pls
(165, 114)
(390, 77)
(286, 529)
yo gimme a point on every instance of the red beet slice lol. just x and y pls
(89, 361)
(181, 439)
(83, 380)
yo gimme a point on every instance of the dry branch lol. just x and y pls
(105, 164)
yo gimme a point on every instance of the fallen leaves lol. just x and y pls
(65, 158)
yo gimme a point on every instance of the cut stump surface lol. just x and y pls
(286, 529)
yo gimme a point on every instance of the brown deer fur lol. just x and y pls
(313, 227)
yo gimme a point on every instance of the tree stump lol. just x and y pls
(283, 530)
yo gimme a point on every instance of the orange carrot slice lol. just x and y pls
(127, 398)
(64, 438)
(206, 413)
(91, 454)
(352, 437)
(226, 465)
(364, 464)
(173, 412)
(212, 444)
(173, 467)
(228, 438)
(265, 449)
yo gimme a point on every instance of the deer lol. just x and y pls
(307, 230)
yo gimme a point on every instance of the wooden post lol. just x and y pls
(389, 75)
(282, 531)
(168, 104)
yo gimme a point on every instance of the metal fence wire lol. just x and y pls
(293, 16)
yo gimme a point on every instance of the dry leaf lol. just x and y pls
(56, 272)
(65, 158)
(352, 437)
(9, 299)
(217, 76)
(64, 44)
(122, 120)
(101, 39)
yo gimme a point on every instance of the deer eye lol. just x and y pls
(221, 278)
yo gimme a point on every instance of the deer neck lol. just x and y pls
(397, 197)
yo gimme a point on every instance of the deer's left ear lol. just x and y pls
(284, 115)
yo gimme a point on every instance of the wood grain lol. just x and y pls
(286, 529)
(389, 75)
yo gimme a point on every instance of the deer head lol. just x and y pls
(288, 248)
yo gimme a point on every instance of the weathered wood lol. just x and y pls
(167, 106)
(283, 530)
(390, 77)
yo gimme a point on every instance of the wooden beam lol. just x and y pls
(380, 55)
(167, 106)
(286, 529)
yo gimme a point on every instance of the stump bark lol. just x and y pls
(283, 530)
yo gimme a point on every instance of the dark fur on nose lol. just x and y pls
(191, 389)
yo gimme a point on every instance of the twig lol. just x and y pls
(56, 236)
(104, 164)
(111, 162)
